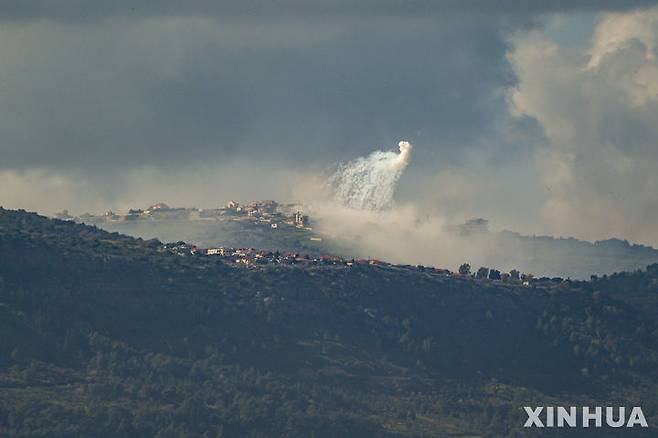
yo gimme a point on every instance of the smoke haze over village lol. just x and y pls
(542, 118)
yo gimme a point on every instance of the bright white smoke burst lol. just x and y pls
(368, 183)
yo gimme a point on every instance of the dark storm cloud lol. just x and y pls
(72, 10)
(163, 83)
(161, 91)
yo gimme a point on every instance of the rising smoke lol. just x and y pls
(363, 221)
(368, 183)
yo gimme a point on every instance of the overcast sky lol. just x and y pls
(540, 115)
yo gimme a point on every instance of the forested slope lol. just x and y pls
(106, 335)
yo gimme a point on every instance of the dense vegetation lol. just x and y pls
(106, 335)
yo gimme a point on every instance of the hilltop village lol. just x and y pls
(266, 213)
(279, 217)
(255, 258)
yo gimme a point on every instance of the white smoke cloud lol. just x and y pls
(368, 183)
(398, 235)
(403, 157)
(360, 216)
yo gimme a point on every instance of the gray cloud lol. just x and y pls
(85, 10)
(158, 91)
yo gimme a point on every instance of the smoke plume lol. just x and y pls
(368, 183)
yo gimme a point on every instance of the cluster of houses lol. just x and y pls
(255, 208)
(251, 257)
(158, 210)
(263, 212)
(267, 212)
(254, 257)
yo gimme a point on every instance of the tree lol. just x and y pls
(482, 272)
(465, 269)
(514, 275)
(494, 274)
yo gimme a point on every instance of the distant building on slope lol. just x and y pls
(300, 220)
(158, 206)
(110, 216)
(265, 206)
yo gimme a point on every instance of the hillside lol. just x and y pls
(106, 335)
(505, 250)
(231, 233)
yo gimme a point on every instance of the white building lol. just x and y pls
(215, 251)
